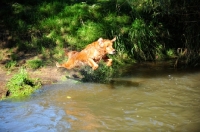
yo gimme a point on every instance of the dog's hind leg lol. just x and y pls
(67, 65)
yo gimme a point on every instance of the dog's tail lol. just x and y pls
(58, 65)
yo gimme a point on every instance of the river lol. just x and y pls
(144, 99)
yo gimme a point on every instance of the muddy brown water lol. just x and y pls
(145, 99)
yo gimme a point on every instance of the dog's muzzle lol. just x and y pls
(113, 52)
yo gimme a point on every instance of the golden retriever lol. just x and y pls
(91, 55)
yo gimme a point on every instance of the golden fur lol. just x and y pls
(92, 54)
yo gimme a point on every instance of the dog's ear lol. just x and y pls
(100, 41)
(114, 39)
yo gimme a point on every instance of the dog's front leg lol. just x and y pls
(92, 64)
(108, 62)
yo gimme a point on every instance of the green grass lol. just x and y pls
(10, 64)
(35, 64)
(21, 85)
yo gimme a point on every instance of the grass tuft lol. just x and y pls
(35, 64)
(20, 84)
(10, 64)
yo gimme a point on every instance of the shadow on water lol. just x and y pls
(146, 98)
(122, 82)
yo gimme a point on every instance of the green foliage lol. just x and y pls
(171, 53)
(10, 64)
(102, 75)
(35, 64)
(90, 31)
(20, 84)
(143, 40)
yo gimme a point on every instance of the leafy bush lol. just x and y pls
(20, 84)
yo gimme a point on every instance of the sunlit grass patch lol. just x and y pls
(80, 9)
(20, 84)
(59, 53)
(90, 31)
(49, 24)
(113, 18)
(110, 18)
(94, 10)
(51, 8)
(52, 34)
(124, 19)
(72, 40)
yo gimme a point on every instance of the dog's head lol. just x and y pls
(106, 44)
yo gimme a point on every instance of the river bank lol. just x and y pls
(51, 74)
